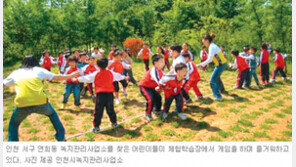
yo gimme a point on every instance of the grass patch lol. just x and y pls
(215, 138)
(68, 117)
(265, 126)
(147, 128)
(245, 122)
(224, 134)
(151, 137)
(90, 136)
(280, 115)
(237, 128)
(270, 121)
(258, 134)
(287, 133)
(156, 122)
(168, 132)
(234, 110)
(33, 131)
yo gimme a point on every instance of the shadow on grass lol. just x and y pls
(192, 124)
(121, 132)
(196, 109)
(83, 110)
(236, 98)
(206, 100)
(134, 102)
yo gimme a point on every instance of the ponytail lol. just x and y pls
(209, 37)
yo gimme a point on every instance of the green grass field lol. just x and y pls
(245, 115)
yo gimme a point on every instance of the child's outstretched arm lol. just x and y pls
(90, 78)
(126, 66)
(119, 77)
(61, 77)
(139, 54)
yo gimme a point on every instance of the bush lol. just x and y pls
(134, 45)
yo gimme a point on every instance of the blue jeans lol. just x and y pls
(216, 82)
(253, 74)
(72, 87)
(19, 114)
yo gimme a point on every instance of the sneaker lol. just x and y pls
(165, 115)
(218, 99)
(64, 106)
(114, 125)
(77, 108)
(271, 80)
(235, 87)
(124, 92)
(149, 117)
(117, 102)
(188, 101)
(96, 130)
(223, 91)
(182, 116)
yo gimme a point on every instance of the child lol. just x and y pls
(243, 68)
(186, 50)
(65, 63)
(145, 52)
(61, 60)
(203, 56)
(264, 64)
(149, 86)
(83, 60)
(194, 76)
(72, 85)
(117, 66)
(46, 60)
(89, 69)
(126, 58)
(167, 54)
(279, 65)
(172, 85)
(76, 54)
(103, 82)
(111, 54)
(177, 59)
(252, 61)
(96, 53)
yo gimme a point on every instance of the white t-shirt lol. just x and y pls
(95, 55)
(213, 49)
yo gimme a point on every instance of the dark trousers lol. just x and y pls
(116, 85)
(19, 114)
(179, 103)
(89, 87)
(184, 93)
(146, 62)
(104, 100)
(130, 74)
(264, 72)
(276, 70)
(153, 99)
(243, 77)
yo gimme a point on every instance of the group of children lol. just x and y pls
(247, 62)
(105, 74)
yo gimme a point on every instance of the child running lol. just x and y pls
(172, 85)
(279, 65)
(72, 85)
(145, 52)
(117, 66)
(149, 86)
(194, 77)
(103, 82)
(243, 68)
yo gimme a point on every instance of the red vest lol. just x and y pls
(90, 69)
(145, 54)
(47, 63)
(147, 81)
(116, 67)
(60, 61)
(204, 56)
(104, 81)
(265, 56)
(194, 76)
(111, 55)
(172, 87)
(280, 62)
(241, 63)
(70, 71)
(166, 54)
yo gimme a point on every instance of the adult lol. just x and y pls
(30, 97)
(216, 56)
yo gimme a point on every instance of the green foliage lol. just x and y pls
(31, 26)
